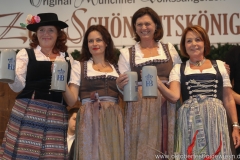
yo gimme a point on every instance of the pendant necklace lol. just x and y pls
(149, 49)
(47, 54)
(198, 63)
(104, 66)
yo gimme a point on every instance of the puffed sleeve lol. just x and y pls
(75, 77)
(21, 71)
(175, 74)
(123, 62)
(225, 76)
(174, 54)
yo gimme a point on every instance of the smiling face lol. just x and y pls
(47, 36)
(194, 44)
(96, 43)
(145, 27)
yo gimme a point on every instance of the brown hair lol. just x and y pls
(71, 111)
(60, 45)
(201, 32)
(155, 18)
(110, 56)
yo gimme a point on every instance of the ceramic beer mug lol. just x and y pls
(130, 90)
(59, 76)
(149, 81)
(7, 65)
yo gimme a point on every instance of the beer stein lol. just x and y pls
(130, 90)
(7, 65)
(149, 81)
(59, 76)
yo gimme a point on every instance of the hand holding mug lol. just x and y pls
(122, 80)
(59, 76)
(127, 83)
(7, 66)
(149, 81)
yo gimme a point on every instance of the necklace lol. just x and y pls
(47, 54)
(104, 66)
(198, 63)
(150, 50)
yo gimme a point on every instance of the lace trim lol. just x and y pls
(101, 76)
(150, 61)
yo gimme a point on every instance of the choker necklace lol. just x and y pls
(198, 63)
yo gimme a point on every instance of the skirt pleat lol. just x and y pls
(37, 129)
(208, 117)
(149, 132)
(106, 124)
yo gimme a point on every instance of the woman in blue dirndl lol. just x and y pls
(202, 128)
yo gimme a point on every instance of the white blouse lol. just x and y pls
(175, 74)
(124, 64)
(22, 63)
(90, 72)
(70, 139)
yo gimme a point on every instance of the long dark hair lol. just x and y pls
(110, 56)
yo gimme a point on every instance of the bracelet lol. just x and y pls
(236, 124)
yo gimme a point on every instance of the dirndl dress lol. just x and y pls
(202, 116)
(37, 128)
(99, 123)
(150, 122)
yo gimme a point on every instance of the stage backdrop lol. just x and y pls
(221, 18)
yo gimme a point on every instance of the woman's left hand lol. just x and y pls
(236, 137)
